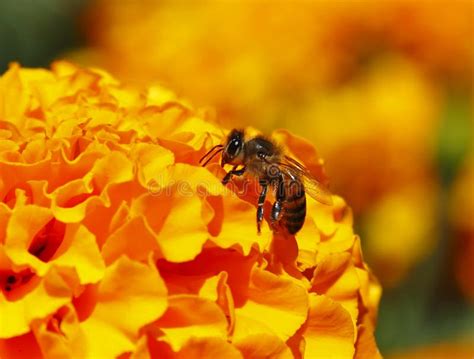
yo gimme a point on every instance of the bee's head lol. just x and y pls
(234, 148)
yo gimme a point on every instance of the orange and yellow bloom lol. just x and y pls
(115, 242)
(365, 80)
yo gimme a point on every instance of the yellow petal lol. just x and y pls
(79, 250)
(151, 161)
(48, 294)
(130, 295)
(13, 97)
(175, 220)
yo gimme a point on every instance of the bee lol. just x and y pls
(265, 160)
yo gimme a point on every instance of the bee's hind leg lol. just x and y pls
(261, 201)
(280, 197)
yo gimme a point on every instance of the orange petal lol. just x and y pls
(23, 225)
(128, 287)
(122, 241)
(337, 278)
(195, 348)
(329, 331)
(26, 222)
(20, 347)
(71, 201)
(366, 347)
(63, 340)
(217, 289)
(198, 348)
(275, 306)
(5, 214)
(239, 229)
(179, 240)
(308, 240)
(188, 277)
(189, 179)
(263, 345)
(190, 317)
(370, 292)
(151, 161)
(78, 248)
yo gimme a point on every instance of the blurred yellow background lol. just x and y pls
(382, 88)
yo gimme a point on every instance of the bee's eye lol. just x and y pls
(233, 148)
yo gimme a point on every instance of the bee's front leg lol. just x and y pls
(280, 197)
(231, 173)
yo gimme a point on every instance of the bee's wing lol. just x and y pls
(293, 169)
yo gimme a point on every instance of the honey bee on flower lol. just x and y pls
(264, 160)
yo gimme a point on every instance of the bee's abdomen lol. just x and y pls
(294, 212)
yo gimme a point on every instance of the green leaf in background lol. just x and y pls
(455, 135)
(35, 32)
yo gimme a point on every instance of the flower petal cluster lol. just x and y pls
(114, 242)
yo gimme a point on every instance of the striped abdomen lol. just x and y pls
(294, 208)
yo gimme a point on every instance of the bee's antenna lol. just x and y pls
(212, 156)
(219, 147)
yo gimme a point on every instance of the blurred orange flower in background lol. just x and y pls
(114, 242)
(341, 74)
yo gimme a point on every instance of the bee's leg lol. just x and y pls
(280, 197)
(261, 201)
(232, 172)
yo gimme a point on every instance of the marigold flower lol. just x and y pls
(114, 242)
(361, 79)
